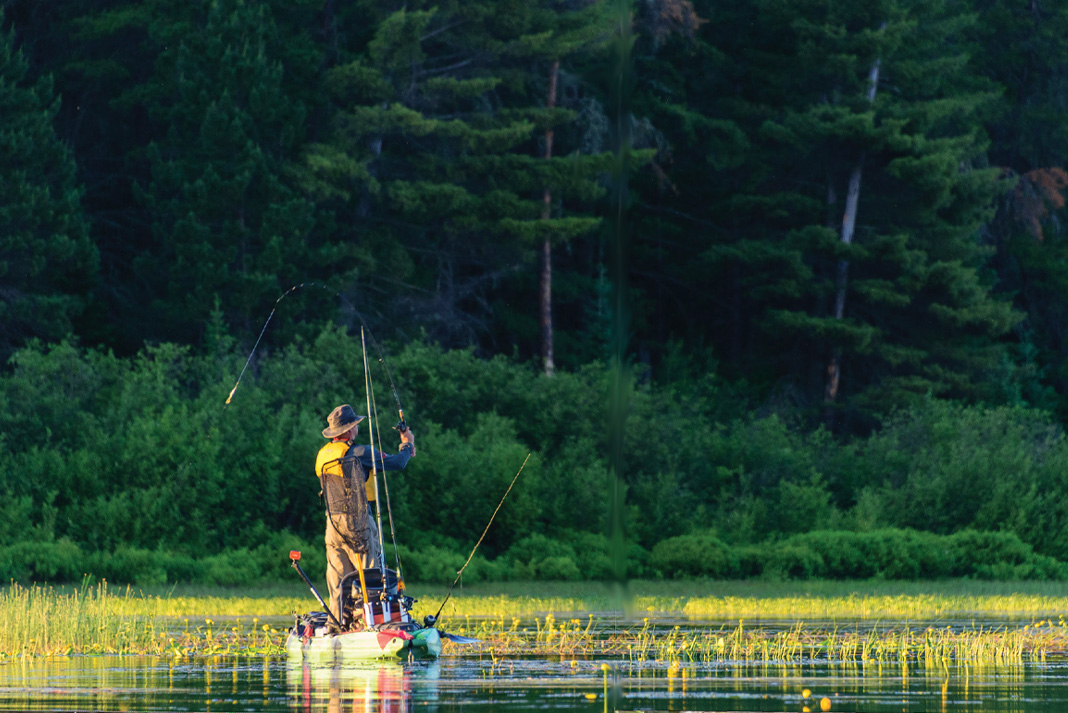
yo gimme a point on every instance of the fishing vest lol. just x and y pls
(335, 451)
(342, 479)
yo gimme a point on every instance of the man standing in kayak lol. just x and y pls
(342, 468)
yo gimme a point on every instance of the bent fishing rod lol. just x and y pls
(430, 621)
(401, 426)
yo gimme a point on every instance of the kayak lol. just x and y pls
(310, 640)
(375, 622)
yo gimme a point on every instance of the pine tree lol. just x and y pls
(1023, 48)
(47, 262)
(434, 160)
(793, 85)
(227, 223)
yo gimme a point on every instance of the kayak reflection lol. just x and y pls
(371, 686)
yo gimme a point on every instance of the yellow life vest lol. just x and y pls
(328, 462)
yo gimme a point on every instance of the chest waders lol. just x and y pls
(345, 501)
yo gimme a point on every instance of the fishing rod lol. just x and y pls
(401, 425)
(371, 428)
(431, 620)
(256, 346)
(372, 410)
(294, 557)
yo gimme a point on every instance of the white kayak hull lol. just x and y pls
(329, 649)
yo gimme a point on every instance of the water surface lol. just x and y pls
(522, 683)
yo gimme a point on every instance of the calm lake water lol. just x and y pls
(121, 683)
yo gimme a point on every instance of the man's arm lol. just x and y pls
(370, 458)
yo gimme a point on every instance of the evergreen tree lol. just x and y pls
(225, 223)
(47, 262)
(918, 315)
(435, 161)
(1023, 47)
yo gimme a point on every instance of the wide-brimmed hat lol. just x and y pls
(341, 419)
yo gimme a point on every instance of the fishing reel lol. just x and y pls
(429, 621)
(401, 426)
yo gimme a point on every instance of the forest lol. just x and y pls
(765, 288)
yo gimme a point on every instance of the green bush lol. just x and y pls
(156, 481)
(792, 561)
(1001, 555)
(537, 557)
(29, 562)
(130, 565)
(908, 554)
(700, 555)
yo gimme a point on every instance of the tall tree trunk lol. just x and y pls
(546, 291)
(849, 222)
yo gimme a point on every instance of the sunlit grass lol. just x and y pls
(690, 599)
(862, 622)
(878, 600)
(646, 643)
(41, 621)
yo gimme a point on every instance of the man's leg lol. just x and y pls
(374, 548)
(338, 565)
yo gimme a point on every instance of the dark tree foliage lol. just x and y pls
(802, 104)
(843, 232)
(1022, 47)
(433, 161)
(47, 262)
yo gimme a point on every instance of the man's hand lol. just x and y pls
(407, 437)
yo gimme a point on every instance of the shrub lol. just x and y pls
(542, 558)
(28, 562)
(129, 565)
(909, 554)
(701, 555)
(792, 561)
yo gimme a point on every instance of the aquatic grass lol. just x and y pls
(695, 599)
(37, 620)
(759, 599)
(853, 606)
(840, 625)
(929, 647)
(41, 621)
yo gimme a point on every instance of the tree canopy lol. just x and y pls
(817, 223)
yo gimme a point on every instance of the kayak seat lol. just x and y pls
(350, 592)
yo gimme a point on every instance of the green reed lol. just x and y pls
(38, 620)
(694, 599)
(645, 643)
(41, 621)
(96, 619)
(823, 600)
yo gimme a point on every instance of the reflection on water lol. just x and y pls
(385, 687)
(72, 683)
(117, 683)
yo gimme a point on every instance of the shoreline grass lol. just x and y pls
(697, 600)
(185, 621)
(930, 647)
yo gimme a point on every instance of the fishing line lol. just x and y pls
(385, 484)
(256, 346)
(401, 426)
(347, 306)
(460, 573)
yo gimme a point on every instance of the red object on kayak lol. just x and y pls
(384, 637)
